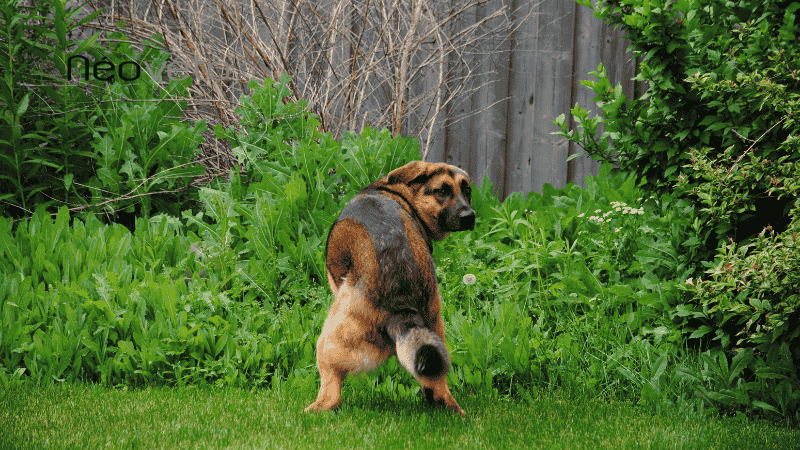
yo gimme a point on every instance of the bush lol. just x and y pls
(218, 298)
(721, 75)
(718, 125)
(144, 153)
(751, 294)
(44, 129)
(112, 144)
(290, 184)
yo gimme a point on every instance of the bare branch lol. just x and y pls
(403, 64)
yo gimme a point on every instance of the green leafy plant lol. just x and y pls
(93, 302)
(750, 382)
(748, 295)
(44, 119)
(716, 126)
(292, 182)
(565, 284)
(141, 146)
(719, 75)
(753, 284)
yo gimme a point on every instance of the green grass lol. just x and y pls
(93, 417)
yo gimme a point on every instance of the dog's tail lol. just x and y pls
(419, 349)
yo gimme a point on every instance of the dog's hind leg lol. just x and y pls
(332, 375)
(349, 343)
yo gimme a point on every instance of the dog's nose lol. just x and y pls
(466, 220)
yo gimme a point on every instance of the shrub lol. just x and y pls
(144, 153)
(750, 297)
(290, 184)
(113, 144)
(43, 134)
(718, 125)
(720, 75)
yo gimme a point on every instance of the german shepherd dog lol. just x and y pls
(381, 272)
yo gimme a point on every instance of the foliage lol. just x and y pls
(551, 270)
(717, 125)
(74, 142)
(164, 304)
(44, 130)
(720, 75)
(294, 181)
(751, 299)
(94, 302)
(140, 145)
(771, 388)
(755, 283)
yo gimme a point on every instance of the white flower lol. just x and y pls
(469, 279)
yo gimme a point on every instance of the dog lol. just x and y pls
(381, 272)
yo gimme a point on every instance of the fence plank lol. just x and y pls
(488, 126)
(522, 87)
(553, 93)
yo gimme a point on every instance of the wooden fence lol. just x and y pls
(479, 82)
(512, 140)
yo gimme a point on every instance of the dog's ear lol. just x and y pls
(415, 172)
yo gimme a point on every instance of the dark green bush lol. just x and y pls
(757, 284)
(749, 297)
(43, 134)
(88, 136)
(718, 125)
(141, 145)
(721, 75)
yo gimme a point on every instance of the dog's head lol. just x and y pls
(440, 194)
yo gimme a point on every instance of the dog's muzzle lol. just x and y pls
(466, 220)
(463, 218)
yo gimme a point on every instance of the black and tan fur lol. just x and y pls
(381, 272)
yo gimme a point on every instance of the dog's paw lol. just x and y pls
(321, 405)
(443, 399)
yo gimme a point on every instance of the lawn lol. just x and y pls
(81, 416)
